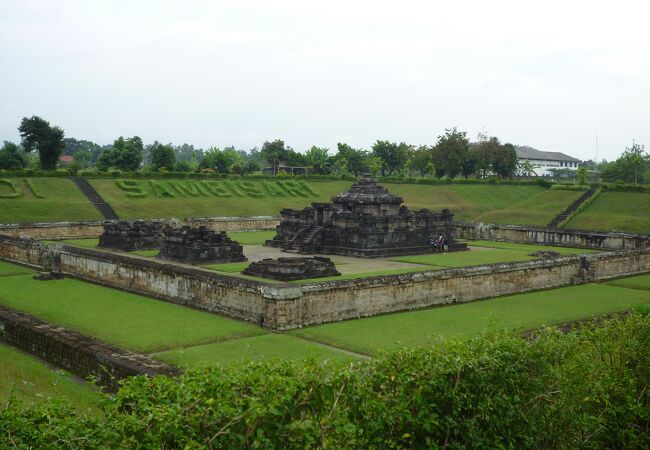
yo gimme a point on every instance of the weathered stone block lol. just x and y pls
(199, 246)
(289, 269)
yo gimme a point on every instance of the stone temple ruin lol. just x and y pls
(199, 246)
(366, 221)
(131, 235)
(293, 268)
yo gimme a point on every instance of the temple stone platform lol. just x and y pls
(364, 221)
(199, 246)
(133, 235)
(292, 268)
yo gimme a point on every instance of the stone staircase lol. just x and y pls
(303, 237)
(571, 209)
(95, 198)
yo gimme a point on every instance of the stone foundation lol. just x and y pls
(287, 306)
(82, 230)
(290, 269)
(553, 236)
(82, 355)
(199, 246)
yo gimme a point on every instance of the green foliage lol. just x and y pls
(496, 391)
(630, 167)
(450, 152)
(12, 157)
(274, 153)
(319, 159)
(621, 211)
(162, 156)
(352, 160)
(37, 133)
(392, 155)
(126, 154)
(15, 191)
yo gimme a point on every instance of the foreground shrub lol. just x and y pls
(583, 390)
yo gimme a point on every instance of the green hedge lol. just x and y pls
(497, 391)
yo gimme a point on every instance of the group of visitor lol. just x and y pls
(439, 245)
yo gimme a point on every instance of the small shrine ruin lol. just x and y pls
(292, 268)
(133, 235)
(199, 246)
(365, 221)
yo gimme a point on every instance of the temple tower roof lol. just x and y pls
(366, 191)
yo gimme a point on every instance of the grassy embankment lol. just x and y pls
(61, 201)
(467, 202)
(620, 211)
(189, 337)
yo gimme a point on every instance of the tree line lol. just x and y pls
(452, 155)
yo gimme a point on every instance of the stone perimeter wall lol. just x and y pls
(82, 355)
(553, 236)
(287, 306)
(80, 230)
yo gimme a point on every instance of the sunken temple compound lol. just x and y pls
(364, 221)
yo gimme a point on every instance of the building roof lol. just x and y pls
(525, 152)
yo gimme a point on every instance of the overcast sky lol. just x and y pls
(547, 74)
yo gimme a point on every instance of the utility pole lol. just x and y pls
(596, 156)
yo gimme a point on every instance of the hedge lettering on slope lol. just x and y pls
(584, 390)
(15, 190)
(213, 188)
(132, 188)
(36, 192)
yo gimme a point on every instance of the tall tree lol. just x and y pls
(319, 159)
(451, 151)
(274, 153)
(162, 156)
(12, 157)
(392, 154)
(36, 133)
(504, 163)
(354, 160)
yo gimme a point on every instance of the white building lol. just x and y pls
(544, 162)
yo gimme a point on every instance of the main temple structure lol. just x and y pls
(366, 221)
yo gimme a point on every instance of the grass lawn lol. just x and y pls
(620, 211)
(25, 378)
(522, 311)
(641, 282)
(62, 201)
(529, 247)
(266, 347)
(251, 237)
(120, 318)
(7, 269)
(539, 209)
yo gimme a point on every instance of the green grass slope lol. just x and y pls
(62, 201)
(206, 204)
(620, 211)
(167, 198)
(539, 209)
(30, 381)
(522, 311)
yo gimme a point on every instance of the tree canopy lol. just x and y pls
(37, 134)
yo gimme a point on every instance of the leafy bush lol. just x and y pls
(588, 389)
